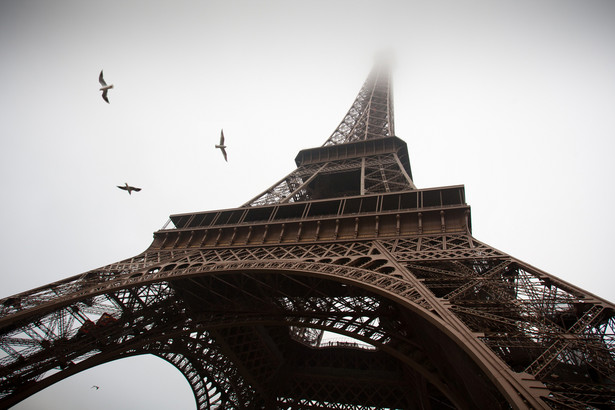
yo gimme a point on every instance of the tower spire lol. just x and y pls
(371, 114)
(362, 156)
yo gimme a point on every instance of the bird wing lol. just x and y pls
(101, 80)
(104, 96)
(122, 187)
(222, 138)
(136, 189)
(224, 153)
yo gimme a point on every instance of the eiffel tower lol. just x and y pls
(341, 286)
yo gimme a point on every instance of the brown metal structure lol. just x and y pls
(243, 301)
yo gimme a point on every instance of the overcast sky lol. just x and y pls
(514, 99)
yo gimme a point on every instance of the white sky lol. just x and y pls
(514, 99)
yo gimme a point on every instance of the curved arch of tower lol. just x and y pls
(340, 286)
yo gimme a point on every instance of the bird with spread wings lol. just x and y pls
(104, 87)
(129, 188)
(222, 146)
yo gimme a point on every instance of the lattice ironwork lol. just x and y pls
(241, 301)
(371, 114)
(356, 176)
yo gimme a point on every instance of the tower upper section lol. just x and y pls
(357, 184)
(371, 114)
(361, 157)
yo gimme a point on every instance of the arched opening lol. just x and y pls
(138, 382)
(269, 308)
(243, 338)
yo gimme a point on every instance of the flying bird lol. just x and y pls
(104, 87)
(95, 387)
(221, 145)
(129, 188)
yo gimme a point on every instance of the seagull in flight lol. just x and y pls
(104, 87)
(221, 145)
(129, 188)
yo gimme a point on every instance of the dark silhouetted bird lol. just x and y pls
(129, 188)
(221, 145)
(104, 87)
(95, 387)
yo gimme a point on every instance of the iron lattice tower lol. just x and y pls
(239, 299)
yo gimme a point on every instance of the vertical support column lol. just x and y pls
(363, 176)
